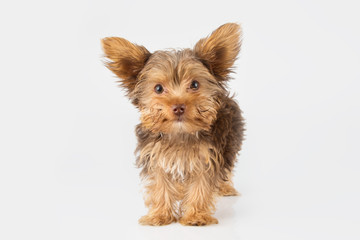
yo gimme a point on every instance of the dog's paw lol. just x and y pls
(198, 220)
(228, 190)
(157, 220)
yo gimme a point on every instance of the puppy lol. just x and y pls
(191, 129)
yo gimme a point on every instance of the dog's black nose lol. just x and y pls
(178, 109)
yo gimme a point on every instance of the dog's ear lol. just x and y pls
(126, 59)
(219, 51)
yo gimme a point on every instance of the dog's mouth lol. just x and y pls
(179, 124)
(180, 118)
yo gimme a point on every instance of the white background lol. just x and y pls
(67, 131)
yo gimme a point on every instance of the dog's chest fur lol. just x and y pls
(178, 156)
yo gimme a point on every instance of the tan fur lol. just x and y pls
(127, 59)
(227, 188)
(161, 198)
(156, 109)
(220, 49)
(199, 156)
(189, 175)
(186, 160)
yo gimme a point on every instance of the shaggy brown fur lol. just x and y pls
(190, 130)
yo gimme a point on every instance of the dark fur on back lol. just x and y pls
(228, 132)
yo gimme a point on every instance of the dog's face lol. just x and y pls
(176, 91)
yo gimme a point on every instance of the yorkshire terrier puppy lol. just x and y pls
(191, 129)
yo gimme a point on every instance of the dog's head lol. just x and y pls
(176, 91)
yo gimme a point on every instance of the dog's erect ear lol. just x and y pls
(126, 59)
(219, 51)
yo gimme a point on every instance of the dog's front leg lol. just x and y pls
(198, 202)
(161, 195)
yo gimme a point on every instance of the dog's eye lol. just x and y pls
(194, 85)
(158, 88)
